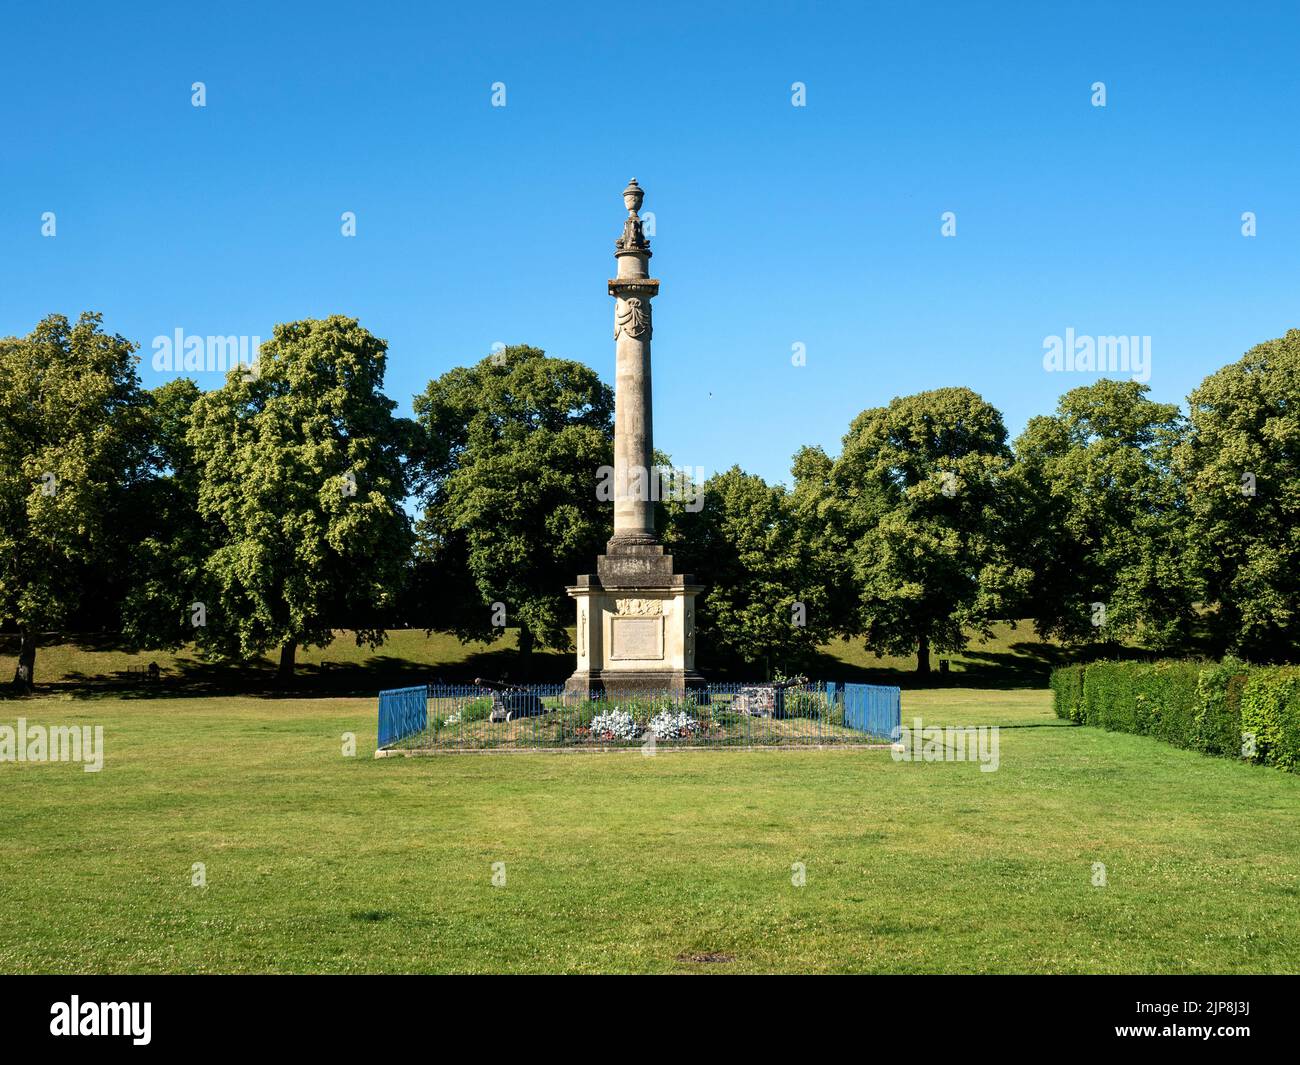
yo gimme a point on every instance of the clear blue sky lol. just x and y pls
(775, 224)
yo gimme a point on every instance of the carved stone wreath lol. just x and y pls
(639, 607)
(632, 316)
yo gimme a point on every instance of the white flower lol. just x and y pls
(615, 724)
(669, 726)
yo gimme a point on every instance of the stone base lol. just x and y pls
(636, 625)
(586, 684)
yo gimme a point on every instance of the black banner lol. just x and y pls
(146, 1014)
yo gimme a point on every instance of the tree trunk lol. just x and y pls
(25, 674)
(525, 645)
(923, 655)
(288, 653)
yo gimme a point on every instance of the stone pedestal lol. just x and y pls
(636, 626)
(636, 618)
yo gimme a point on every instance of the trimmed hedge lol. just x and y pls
(1227, 708)
(1067, 693)
(1270, 708)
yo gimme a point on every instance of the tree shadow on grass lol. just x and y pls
(973, 669)
(192, 677)
(1026, 664)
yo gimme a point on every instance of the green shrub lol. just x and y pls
(1166, 694)
(1217, 721)
(1203, 706)
(644, 707)
(1270, 708)
(802, 703)
(1067, 692)
(1110, 697)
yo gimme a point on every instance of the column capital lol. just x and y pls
(645, 287)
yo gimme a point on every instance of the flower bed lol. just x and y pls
(614, 725)
(669, 726)
(458, 718)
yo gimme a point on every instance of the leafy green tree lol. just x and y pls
(1104, 518)
(509, 471)
(823, 518)
(921, 492)
(1241, 465)
(164, 540)
(301, 480)
(764, 602)
(71, 432)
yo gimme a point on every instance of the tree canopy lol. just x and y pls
(510, 453)
(270, 512)
(1241, 466)
(920, 496)
(1104, 518)
(72, 439)
(301, 480)
(764, 603)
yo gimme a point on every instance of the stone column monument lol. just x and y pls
(636, 618)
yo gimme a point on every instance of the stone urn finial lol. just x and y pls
(632, 197)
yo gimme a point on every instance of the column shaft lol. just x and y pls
(634, 514)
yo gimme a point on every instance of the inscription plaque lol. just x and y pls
(639, 638)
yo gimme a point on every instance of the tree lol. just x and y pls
(301, 479)
(764, 600)
(822, 517)
(163, 538)
(926, 512)
(1104, 517)
(510, 466)
(71, 440)
(1241, 464)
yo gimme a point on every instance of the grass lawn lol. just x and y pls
(320, 863)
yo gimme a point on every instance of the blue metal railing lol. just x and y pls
(873, 709)
(402, 712)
